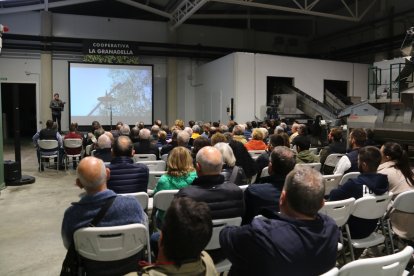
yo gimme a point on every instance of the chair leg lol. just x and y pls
(351, 248)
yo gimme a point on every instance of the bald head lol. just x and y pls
(209, 161)
(92, 175)
(123, 147)
(104, 142)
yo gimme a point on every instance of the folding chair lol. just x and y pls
(330, 163)
(114, 243)
(255, 153)
(403, 203)
(157, 165)
(163, 199)
(72, 144)
(348, 176)
(369, 207)
(218, 225)
(144, 157)
(142, 198)
(331, 182)
(340, 211)
(265, 172)
(316, 166)
(333, 272)
(381, 266)
(48, 150)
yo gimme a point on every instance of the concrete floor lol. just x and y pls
(31, 216)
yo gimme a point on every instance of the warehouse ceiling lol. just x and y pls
(315, 20)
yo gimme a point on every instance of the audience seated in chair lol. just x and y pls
(256, 143)
(145, 145)
(224, 199)
(238, 134)
(263, 160)
(92, 176)
(396, 166)
(369, 182)
(180, 174)
(73, 134)
(104, 148)
(267, 194)
(49, 133)
(296, 241)
(126, 176)
(349, 162)
(336, 145)
(230, 171)
(304, 154)
(243, 158)
(185, 233)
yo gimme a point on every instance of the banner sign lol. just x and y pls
(113, 48)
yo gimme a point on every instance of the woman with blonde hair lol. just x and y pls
(256, 143)
(180, 171)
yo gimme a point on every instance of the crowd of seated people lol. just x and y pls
(217, 160)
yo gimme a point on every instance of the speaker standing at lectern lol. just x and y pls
(57, 107)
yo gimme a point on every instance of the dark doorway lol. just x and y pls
(27, 107)
(274, 87)
(338, 88)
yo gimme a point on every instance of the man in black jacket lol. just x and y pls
(267, 194)
(145, 145)
(125, 175)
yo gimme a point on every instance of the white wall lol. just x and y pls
(246, 81)
(215, 86)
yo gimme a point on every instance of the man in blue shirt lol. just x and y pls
(296, 241)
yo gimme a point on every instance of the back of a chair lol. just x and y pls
(315, 166)
(381, 266)
(72, 143)
(157, 165)
(218, 225)
(333, 272)
(144, 157)
(331, 182)
(110, 243)
(162, 199)
(348, 176)
(48, 144)
(153, 178)
(265, 172)
(164, 157)
(243, 187)
(314, 150)
(142, 198)
(333, 159)
(404, 202)
(255, 153)
(339, 210)
(371, 206)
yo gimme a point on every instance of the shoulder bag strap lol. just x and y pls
(101, 212)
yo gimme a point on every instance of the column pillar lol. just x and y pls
(171, 90)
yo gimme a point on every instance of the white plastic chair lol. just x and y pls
(142, 198)
(331, 161)
(332, 272)
(153, 178)
(144, 157)
(218, 225)
(368, 207)
(48, 150)
(72, 144)
(265, 172)
(112, 243)
(163, 199)
(157, 165)
(403, 203)
(381, 266)
(164, 157)
(255, 153)
(348, 176)
(331, 182)
(316, 166)
(243, 187)
(340, 211)
(314, 150)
